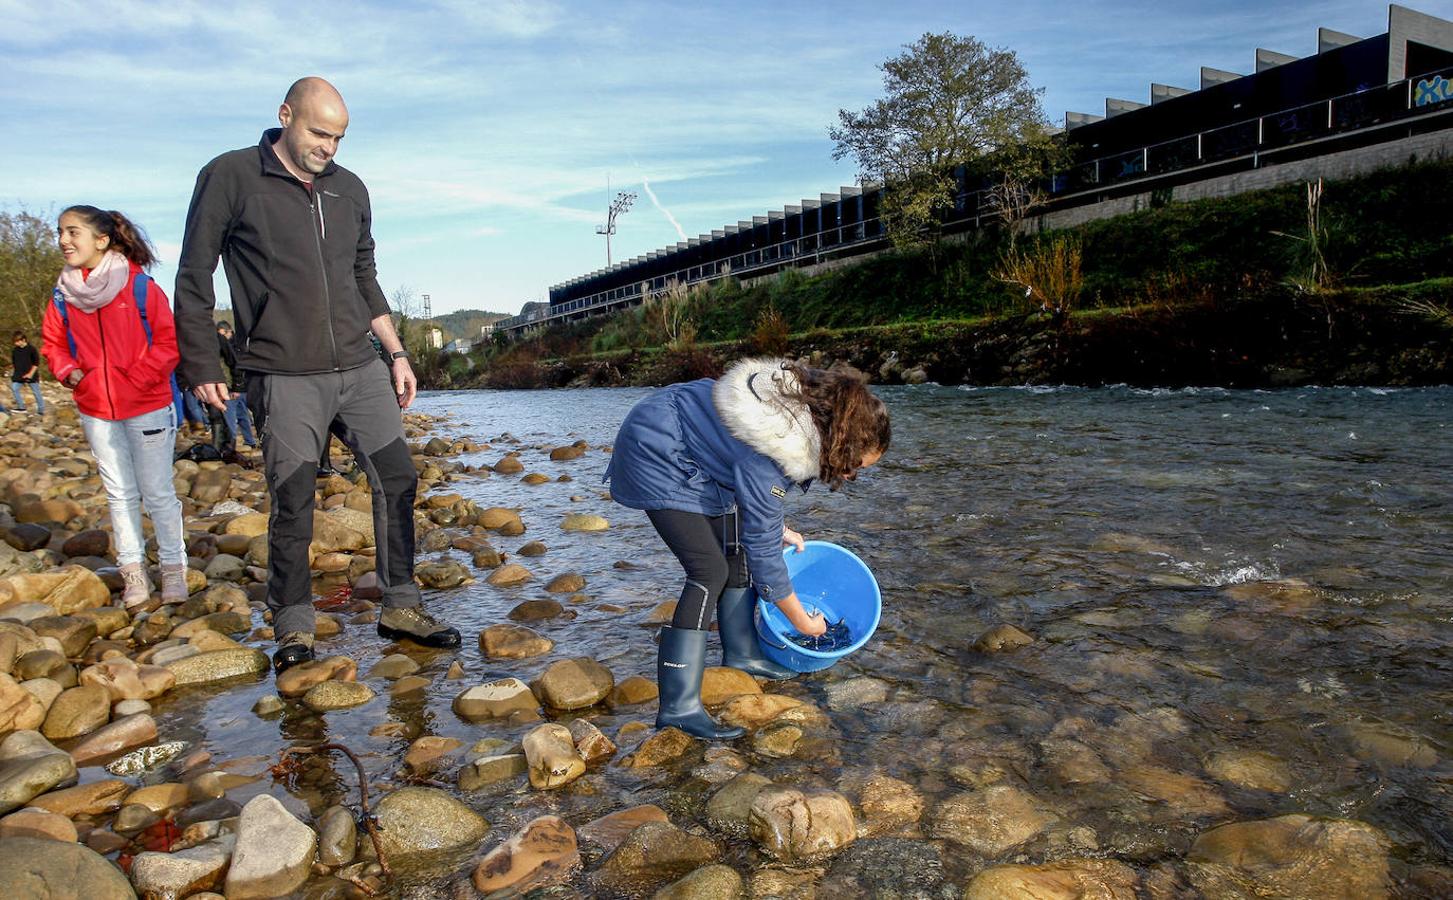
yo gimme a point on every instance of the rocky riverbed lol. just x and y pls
(520, 767)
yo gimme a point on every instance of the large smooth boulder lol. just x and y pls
(77, 711)
(418, 819)
(122, 734)
(275, 852)
(40, 869)
(65, 590)
(575, 683)
(1292, 856)
(218, 665)
(543, 853)
(652, 856)
(794, 825)
(30, 765)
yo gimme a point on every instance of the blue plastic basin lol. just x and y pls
(834, 581)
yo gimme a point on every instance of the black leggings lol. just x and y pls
(708, 549)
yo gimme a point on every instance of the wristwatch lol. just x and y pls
(399, 354)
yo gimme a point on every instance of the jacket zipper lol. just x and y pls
(315, 208)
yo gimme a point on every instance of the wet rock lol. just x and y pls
(660, 748)
(903, 866)
(567, 583)
(218, 665)
(536, 610)
(125, 680)
(393, 667)
(855, 693)
(443, 574)
(429, 753)
(94, 799)
(1183, 794)
(507, 641)
(27, 537)
(591, 742)
(409, 684)
(541, 854)
(653, 855)
(66, 590)
(487, 558)
(777, 740)
(146, 759)
(533, 548)
(607, 832)
(274, 853)
(220, 622)
(122, 734)
(298, 680)
(990, 821)
(486, 770)
(720, 684)
(268, 705)
(1389, 745)
(583, 522)
(332, 695)
(183, 873)
(1250, 769)
(1002, 638)
(159, 797)
(337, 837)
(1070, 879)
(712, 882)
(133, 818)
(20, 710)
(29, 766)
(633, 690)
(576, 683)
(509, 575)
(496, 517)
(495, 700)
(660, 614)
(888, 804)
(794, 826)
(1291, 856)
(509, 465)
(730, 809)
(39, 869)
(1074, 762)
(37, 823)
(77, 711)
(73, 632)
(752, 711)
(553, 760)
(417, 819)
(108, 619)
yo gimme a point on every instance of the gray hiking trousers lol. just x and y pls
(294, 414)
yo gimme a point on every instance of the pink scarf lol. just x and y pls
(105, 282)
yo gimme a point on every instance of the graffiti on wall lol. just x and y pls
(1429, 91)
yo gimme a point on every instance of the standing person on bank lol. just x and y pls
(711, 463)
(118, 363)
(25, 369)
(294, 232)
(239, 420)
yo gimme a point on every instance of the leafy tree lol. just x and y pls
(948, 101)
(29, 264)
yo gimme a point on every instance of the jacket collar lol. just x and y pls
(750, 399)
(271, 165)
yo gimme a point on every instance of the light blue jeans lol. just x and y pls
(15, 387)
(135, 459)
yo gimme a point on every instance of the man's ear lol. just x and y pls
(284, 114)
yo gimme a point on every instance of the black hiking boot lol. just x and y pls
(412, 622)
(292, 648)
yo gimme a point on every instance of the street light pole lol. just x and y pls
(621, 204)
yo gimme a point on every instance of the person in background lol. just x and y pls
(118, 367)
(239, 420)
(711, 463)
(25, 369)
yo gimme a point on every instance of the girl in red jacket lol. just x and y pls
(97, 344)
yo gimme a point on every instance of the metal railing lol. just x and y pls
(1250, 138)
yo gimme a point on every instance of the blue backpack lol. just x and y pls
(140, 286)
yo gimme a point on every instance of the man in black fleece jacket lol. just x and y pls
(294, 232)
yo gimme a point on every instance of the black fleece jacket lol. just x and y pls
(299, 264)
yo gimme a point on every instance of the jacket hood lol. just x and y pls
(750, 400)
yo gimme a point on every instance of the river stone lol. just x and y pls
(590, 741)
(65, 590)
(487, 770)
(631, 691)
(991, 821)
(40, 664)
(218, 665)
(122, 734)
(225, 567)
(183, 873)
(29, 766)
(393, 667)
(124, 679)
(608, 831)
(108, 619)
(565, 454)
(442, 574)
(541, 854)
(39, 869)
(1291, 856)
(220, 622)
(575, 683)
(496, 517)
(536, 610)
(1389, 745)
(1069, 879)
(664, 746)
(1250, 769)
(274, 853)
(509, 465)
(533, 548)
(653, 855)
(159, 797)
(417, 819)
(507, 641)
(251, 525)
(721, 683)
(1183, 794)
(133, 818)
(914, 868)
(20, 710)
(730, 809)
(752, 711)
(495, 700)
(337, 837)
(298, 680)
(888, 804)
(566, 583)
(794, 826)
(583, 522)
(428, 753)
(509, 575)
(146, 759)
(27, 537)
(73, 632)
(711, 882)
(94, 799)
(331, 695)
(553, 760)
(77, 711)
(37, 823)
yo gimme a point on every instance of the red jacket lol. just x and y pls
(126, 375)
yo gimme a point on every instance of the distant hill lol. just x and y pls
(465, 323)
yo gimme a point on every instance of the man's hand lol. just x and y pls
(793, 539)
(405, 384)
(212, 394)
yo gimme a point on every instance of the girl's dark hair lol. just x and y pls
(127, 238)
(851, 421)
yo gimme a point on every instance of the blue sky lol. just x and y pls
(486, 130)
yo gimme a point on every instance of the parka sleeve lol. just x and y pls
(762, 517)
(208, 218)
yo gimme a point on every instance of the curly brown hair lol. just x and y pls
(851, 421)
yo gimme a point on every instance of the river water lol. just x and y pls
(1218, 582)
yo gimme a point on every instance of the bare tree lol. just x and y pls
(29, 264)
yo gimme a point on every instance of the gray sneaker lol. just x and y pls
(411, 622)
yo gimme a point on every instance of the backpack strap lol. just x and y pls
(140, 286)
(59, 300)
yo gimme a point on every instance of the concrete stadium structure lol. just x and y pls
(1355, 105)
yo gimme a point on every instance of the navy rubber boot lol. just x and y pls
(679, 667)
(739, 647)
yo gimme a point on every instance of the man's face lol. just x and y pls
(312, 131)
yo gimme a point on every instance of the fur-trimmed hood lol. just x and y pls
(750, 400)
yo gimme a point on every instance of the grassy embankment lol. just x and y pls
(1227, 291)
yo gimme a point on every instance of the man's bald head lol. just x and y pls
(314, 119)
